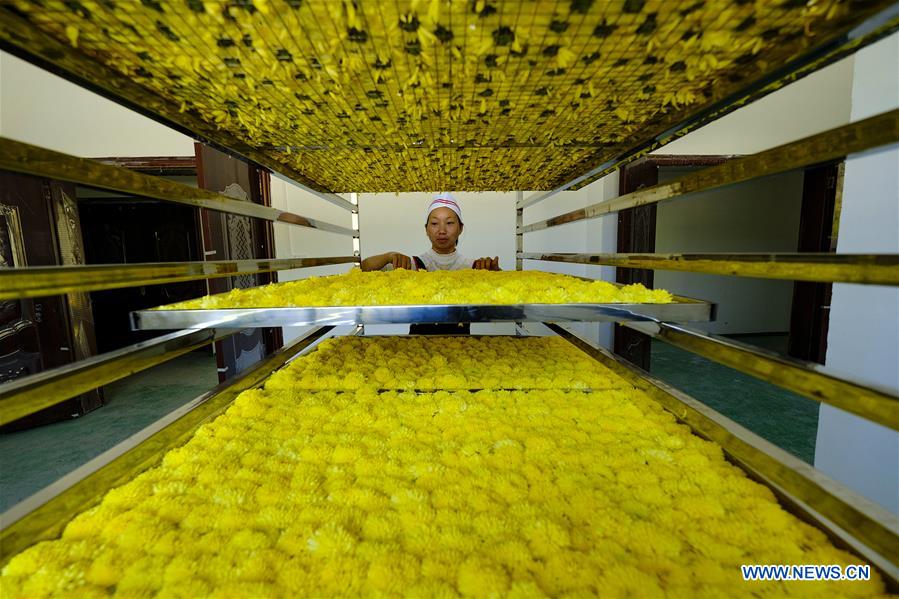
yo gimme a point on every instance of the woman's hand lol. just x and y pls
(400, 260)
(486, 263)
(378, 262)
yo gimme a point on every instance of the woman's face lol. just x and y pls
(443, 229)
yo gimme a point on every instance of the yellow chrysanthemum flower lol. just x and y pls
(398, 287)
(529, 492)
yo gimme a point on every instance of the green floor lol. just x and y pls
(33, 459)
(788, 420)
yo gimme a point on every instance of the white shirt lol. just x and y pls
(434, 261)
(454, 261)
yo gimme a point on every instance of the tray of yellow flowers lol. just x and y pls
(401, 296)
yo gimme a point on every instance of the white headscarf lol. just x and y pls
(445, 200)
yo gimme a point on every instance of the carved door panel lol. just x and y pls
(71, 252)
(20, 347)
(234, 237)
(39, 227)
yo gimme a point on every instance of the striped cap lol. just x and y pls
(445, 200)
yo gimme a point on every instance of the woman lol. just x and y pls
(443, 227)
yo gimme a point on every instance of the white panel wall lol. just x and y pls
(756, 216)
(42, 109)
(813, 104)
(301, 242)
(591, 236)
(863, 339)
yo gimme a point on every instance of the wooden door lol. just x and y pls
(636, 233)
(810, 314)
(126, 229)
(39, 226)
(130, 230)
(235, 237)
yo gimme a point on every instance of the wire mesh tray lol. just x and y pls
(687, 310)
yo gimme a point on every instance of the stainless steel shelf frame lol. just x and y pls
(26, 395)
(32, 160)
(693, 311)
(805, 378)
(870, 269)
(835, 143)
(38, 281)
(843, 514)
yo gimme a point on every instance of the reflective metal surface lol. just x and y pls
(805, 378)
(45, 514)
(856, 137)
(864, 525)
(39, 281)
(871, 269)
(30, 394)
(339, 315)
(24, 158)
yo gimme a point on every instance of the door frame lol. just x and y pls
(822, 190)
(260, 193)
(222, 168)
(637, 234)
(818, 225)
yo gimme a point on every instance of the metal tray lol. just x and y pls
(686, 310)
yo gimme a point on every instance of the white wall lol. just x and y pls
(762, 215)
(813, 104)
(810, 105)
(41, 109)
(301, 242)
(598, 235)
(863, 339)
(756, 216)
